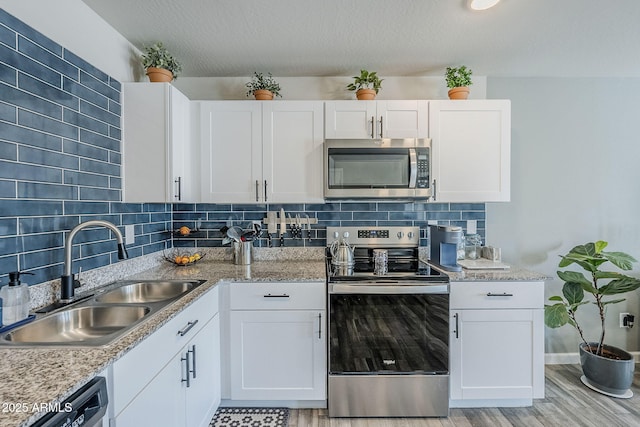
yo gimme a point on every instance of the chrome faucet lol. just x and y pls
(67, 282)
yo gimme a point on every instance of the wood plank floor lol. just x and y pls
(567, 403)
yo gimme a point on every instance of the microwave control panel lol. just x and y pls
(423, 168)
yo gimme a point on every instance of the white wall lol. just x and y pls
(324, 88)
(575, 178)
(76, 27)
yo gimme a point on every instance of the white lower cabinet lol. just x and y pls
(173, 377)
(497, 343)
(277, 342)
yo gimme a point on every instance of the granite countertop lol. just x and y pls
(515, 274)
(30, 377)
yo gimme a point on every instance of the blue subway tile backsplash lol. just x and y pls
(60, 160)
(61, 164)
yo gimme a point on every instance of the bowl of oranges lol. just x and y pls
(182, 257)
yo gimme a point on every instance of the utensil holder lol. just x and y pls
(242, 253)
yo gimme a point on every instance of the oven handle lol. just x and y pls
(413, 168)
(395, 288)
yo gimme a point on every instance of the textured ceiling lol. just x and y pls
(230, 38)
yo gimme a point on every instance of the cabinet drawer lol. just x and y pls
(496, 295)
(138, 367)
(278, 296)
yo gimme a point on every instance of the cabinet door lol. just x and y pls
(231, 156)
(471, 144)
(202, 397)
(292, 151)
(160, 403)
(494, 353)
(402, 119)
(184, 183)
(350, 119)
(157, 143)
(278, 355)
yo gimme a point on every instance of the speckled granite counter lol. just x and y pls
(34, 376)
(510, 274)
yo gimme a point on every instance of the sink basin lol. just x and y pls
(92, 325)
(147, 291)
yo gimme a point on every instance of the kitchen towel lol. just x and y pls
(250, 417)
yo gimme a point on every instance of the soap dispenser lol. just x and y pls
(15, 298)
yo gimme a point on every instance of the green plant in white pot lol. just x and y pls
(161, 66)
(606, 368)
(458, 81)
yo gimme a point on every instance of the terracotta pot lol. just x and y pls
(263, 95)
(366, 94)
(459, 93)
(159, 75)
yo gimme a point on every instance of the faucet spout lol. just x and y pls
(67, 286)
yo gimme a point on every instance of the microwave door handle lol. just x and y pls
(413, 168)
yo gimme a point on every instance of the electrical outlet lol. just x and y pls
(622, 320)
(129, 234)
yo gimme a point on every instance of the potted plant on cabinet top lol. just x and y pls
(262, 87)
(366, 85)
(606, 369)
(160, 64)
(458, 82)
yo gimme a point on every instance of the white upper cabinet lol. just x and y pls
(231, 144)
(261, 152)
(157, 144)
(376, 119)
(471, 145)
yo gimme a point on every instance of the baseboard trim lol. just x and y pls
(573, 358)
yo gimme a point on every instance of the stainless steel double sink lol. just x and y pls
(102, 318)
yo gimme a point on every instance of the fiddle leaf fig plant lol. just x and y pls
(366, 80)
(260, 81)
(458, 77)
(158, 56)
(600, 284)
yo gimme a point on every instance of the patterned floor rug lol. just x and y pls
(250, 417)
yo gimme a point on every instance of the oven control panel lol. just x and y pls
(373, 234)
(406, 237)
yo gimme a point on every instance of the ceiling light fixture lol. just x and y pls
(482, 4)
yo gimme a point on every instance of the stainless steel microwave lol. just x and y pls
(377, 168)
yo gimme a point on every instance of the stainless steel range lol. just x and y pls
(388, 328)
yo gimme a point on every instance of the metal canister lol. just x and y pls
(380, 262)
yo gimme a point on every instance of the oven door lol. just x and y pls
(388, 350)
(388, 329)
(387, 168)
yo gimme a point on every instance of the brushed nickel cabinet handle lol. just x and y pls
(504, 294)
(381, 132)
(187, 370)
(457, 325)
(182, 332)
(373, 125)
(257, 189)
(276, 296)
(179, 182)
(193, 359)
(265, 190)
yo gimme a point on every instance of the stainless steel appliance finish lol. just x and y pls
(86, 407)
(377, 169)
(443, 242)
(388, 334)
(98, 320)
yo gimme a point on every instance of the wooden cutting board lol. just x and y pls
(482, 264)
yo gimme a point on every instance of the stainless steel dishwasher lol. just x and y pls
(86, 407)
